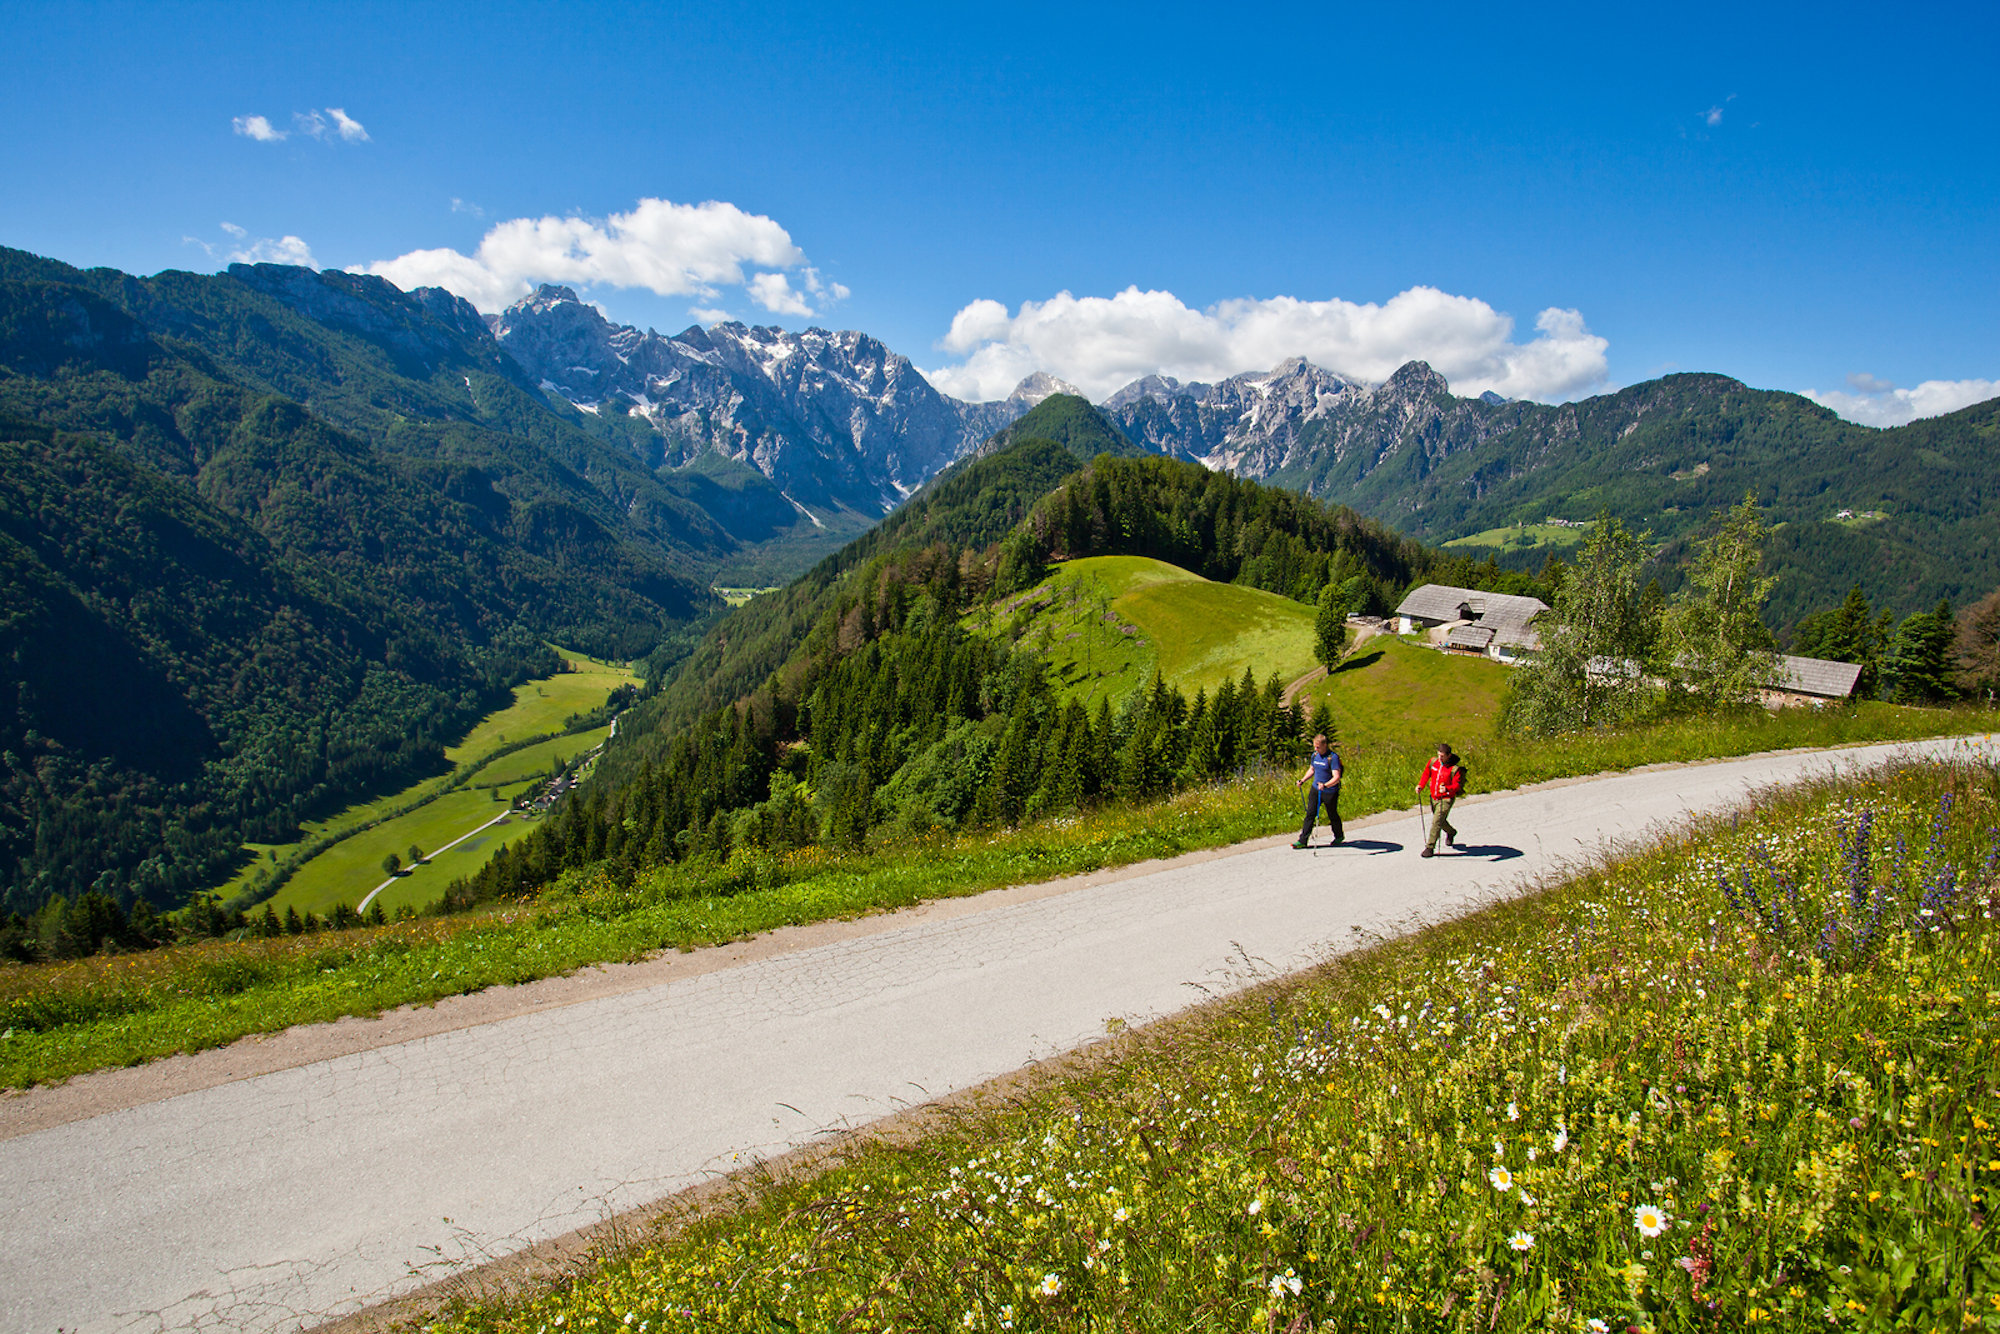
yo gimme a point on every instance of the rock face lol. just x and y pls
(836, 420)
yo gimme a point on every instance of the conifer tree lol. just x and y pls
(1919, 658)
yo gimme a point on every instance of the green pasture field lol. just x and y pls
(1522, 536)
(535, 761)
(736, 597)
(1640, 1099)
(1389, 691)
(108, 1010)
(538, 709)
(345, 872)
(1196, 633)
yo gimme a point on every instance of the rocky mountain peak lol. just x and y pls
(836, 419)
(1149, 386)
(1417, 377)
(1037, 387)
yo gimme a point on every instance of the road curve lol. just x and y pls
(279, 1201)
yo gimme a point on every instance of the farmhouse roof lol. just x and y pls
(1469, 636)
(1817, 676)
(1505, 614)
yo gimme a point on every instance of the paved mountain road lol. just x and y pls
(278, 1201)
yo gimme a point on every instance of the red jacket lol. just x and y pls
(1442, 780)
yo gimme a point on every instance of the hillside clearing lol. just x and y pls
(1105, 624)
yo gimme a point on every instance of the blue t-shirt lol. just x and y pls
(1323, 766)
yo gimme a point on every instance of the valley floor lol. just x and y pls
(274, 1194)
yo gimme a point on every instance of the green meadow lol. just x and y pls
(1520, 537)
(1744, 1077)
(490, 767)
(1390, 691)
(1107, 623)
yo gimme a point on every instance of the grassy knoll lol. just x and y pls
(436, 811)
(1745, 1077)
(60, 1019)
(1106, 623)
(1391, 691)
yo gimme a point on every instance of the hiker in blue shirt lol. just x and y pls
(1323, 777)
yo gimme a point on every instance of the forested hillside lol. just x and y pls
(176, 685)
(227, 607)
(861, 700)
(1921, 502)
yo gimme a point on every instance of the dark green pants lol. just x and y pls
(1440, 822)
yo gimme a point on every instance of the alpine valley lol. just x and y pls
(273, 538)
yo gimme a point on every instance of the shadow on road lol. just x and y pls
(1373, 847)
(1498, 852)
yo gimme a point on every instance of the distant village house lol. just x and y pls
(1500, 626)
(1495, 625)
(1812, 681)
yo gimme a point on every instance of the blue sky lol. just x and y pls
(1793, 196)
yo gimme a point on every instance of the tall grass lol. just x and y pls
(61, 1019)
(1635, 1100)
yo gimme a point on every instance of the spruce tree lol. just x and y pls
(1919, 659)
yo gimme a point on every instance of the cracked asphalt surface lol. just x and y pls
(280, 1201)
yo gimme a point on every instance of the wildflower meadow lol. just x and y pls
(1744, 1077)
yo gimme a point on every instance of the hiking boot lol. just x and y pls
(1301, 844)
(1427, 853)
(1451, 840)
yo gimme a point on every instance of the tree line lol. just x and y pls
(889, 717)
(1614, 649)
(96, 923)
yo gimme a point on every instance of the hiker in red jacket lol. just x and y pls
(1443, 780)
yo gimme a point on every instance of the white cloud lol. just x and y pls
(667, 248)
(332, 123)
(466, 206)
(263, 249)
(258, 128)
(1878, 403)
(347, 127)
(1712, 117)
(773, 291)
(1102, 344)
(710, 315)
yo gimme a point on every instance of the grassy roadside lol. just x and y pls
(1747, 1077)
(62, 1019)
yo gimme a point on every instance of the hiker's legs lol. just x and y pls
(1440, 822)
(1312, 813)
(1333, 814)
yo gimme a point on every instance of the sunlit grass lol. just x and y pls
(1630, 1101)
(1105, 624)
(64, 1018)
(437, 810)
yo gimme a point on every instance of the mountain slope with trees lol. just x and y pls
(861, 700)
(1923, 500)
